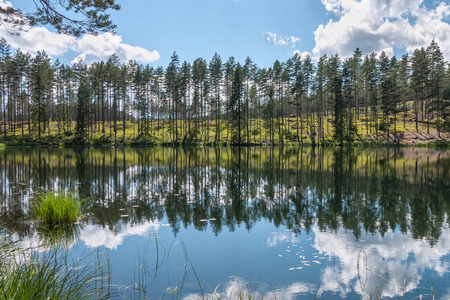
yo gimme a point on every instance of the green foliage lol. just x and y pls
(57, 208)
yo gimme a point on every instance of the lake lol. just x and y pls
(277, 222)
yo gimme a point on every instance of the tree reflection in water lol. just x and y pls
(387, 207)
(371, 190)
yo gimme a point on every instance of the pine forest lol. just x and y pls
(366, 98)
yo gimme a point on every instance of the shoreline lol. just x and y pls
(35, 144)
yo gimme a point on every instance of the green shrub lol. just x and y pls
(57, 208)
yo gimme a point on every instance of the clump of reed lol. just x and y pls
(57, 208)
(29, 274)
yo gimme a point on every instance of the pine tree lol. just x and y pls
(277, 71)
(335, 89)
(14, 85)
(113, 91)
(404, 75)
(229, 67)
(446, 101)
(236, 105)
(370, 70)
(125, 90)
(185, 88)
(4, 57)
(385, 89)
(42, 83)
(248, 72)
(298, 89)
(436, 82)
(395, 95)
(89, 17)
(173, 91)
(419, 81)
(269, 112)
(308, 71)
(83, 105)
(215, 69)
(320, 90)
(355, 72)
(199, 78)
(21, 62)
(348, 96)
(98, 71)
(142, 103)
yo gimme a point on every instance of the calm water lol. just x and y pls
(281, 222)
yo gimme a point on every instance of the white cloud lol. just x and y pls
(100, 47)
(238, 288)
(38, 39)
(90, 48)
(95, 236)
(273, 38)
(302, 55)
(379, 265)
(386, 266)
(381, 25)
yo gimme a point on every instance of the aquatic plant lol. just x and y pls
(57, 208)
(28, 274)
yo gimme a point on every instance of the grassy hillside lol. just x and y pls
(205, 133)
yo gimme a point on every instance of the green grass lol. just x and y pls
(57, 208)
(161, 133)
(51, 275)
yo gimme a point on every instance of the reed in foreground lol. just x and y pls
(28, 274)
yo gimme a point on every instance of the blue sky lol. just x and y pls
(149, 31)
(198, 28)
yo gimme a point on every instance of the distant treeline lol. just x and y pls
(333, 100)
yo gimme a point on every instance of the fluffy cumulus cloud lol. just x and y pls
(382, 25)
(89, 48)
(301, 54)
(388, 266)
(275, 39)
(95, 236)
(38, 39)
(96, 48)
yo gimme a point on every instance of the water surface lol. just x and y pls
(279, 222)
